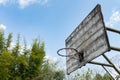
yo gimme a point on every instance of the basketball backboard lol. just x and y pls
(89, 37)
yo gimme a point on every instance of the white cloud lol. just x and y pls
(23, 3)
(2, 27)
(54, 59)
(115, 16)
(3, 2)
(114, 19)
(7, 2)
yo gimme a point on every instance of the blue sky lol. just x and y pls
(53, 20)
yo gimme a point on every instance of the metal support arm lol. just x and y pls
(113, 30)
(115, 48)
(108, 72)
(111, 63)
(98, 63)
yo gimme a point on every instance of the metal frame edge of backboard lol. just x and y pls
(82, 39)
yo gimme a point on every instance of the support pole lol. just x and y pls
(115, 48)
(102, 64)
(113, 30)
(108, 72)
(111, 63)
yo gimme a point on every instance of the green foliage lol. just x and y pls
(88, 76)
(1, 41)
(21, 63)
(6, 60)
(49, 71)
(58, 75)
(83, 76)
(107, 77)
(98, 77)
(36, 58)
(8, 41)
(104, 77)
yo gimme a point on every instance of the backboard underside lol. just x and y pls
(90, 37)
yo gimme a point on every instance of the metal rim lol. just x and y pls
(66, 49)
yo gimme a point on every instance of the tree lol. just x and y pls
(88, 75)
(82, 76)
(107, 77)
(50, 72)
(98, 77)
(21, 63)
(6, 60)
(36, 58)
(1, 41)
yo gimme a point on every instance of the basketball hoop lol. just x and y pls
(77, 55)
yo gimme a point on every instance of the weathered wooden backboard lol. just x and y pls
(90, 37)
